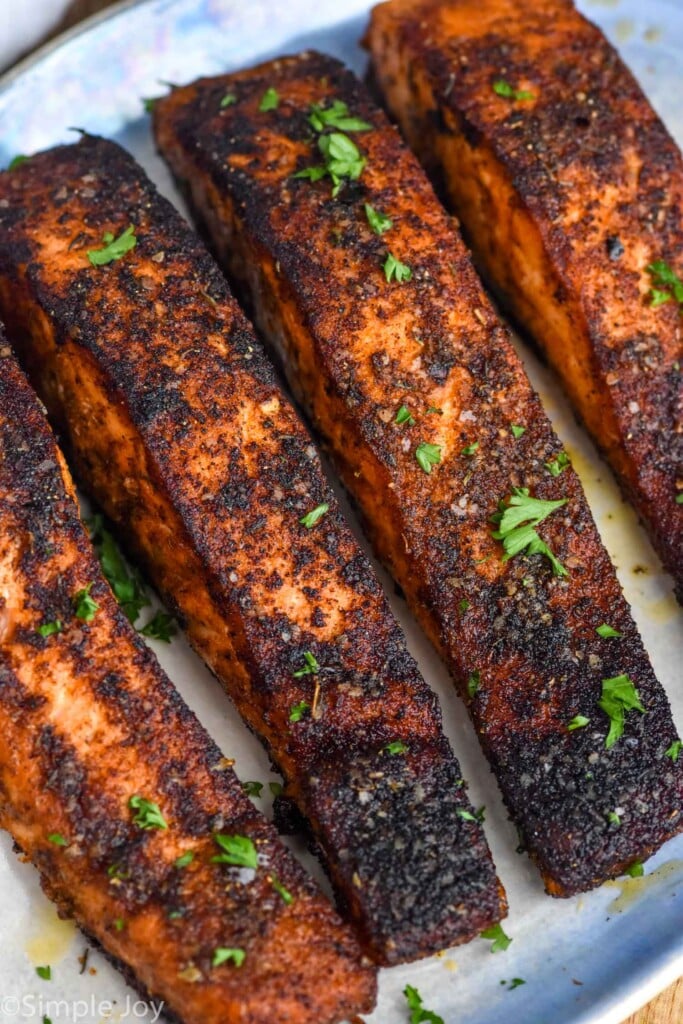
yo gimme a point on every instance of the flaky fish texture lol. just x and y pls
(112, 788)
(179, 428)
(571, 193)
(365, 287)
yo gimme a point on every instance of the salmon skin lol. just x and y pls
(415, 387)
(570, 191)
(107, 779)
(178, 427)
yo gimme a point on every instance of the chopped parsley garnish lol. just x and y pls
(252, 788)
(428, 455)
(58, 839)
(119, 924)
(312, 517)
(44, 972)
(228, 100)
(128, 587)
(403, 416)
(435, 409)
(184, 859)
(377, 221)
(148, 103)
(224, 955)
(501, 941)
(343, 160)
(466, 815)
(463, 605)
(578, 722)
(558, 464)
(298, 711)
(309, 668)
(50, 628)
(516, 430)
(396, 747)
(285, 894)
(503, 88)
(113, 248)
(679, 498)
(269, 101)
(516, 522)
(473, 683)
(394, 270)
(17, 161)
(674, 751)
(239, 851)
(148, 814)
(619, 695)
(664, 277)
(613, 818)
(515, 983)
(418, 1014)
(336, 116)
(275, 788)
(635, 870)
(160, 627)
(85, 606)
(470, 449)
(606, 632)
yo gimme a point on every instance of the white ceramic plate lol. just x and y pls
(590, 960)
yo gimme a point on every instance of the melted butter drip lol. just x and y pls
(51, 938)
(631, 889)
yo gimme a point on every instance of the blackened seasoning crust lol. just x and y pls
(178, 427)
(520, 642)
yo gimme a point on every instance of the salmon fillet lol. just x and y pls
(570, 190)
(415, 387)
(178, 427)
(107, 779)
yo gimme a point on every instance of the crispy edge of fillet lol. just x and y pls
(356, 349)
(89, 720)
(179, 428)
(566, 198)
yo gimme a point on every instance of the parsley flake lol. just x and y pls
(228, 100)
(309, 668)
(404, 416)
(148, 814)
(516, 522)
(470, 449)
(184, 859)
(269, 101)
(50, 628)
(343, 160)
(224, 955)
(558, 464)
(394, 270)
(679, 498)
(113, 248)
(578, 722)
(238, 851)
(613, 818)
(635, 870)
(473, 683)
(284, 893)
(428, 455)
(17, 161)
(516, 430)
(418, 1014)
(336, 116)
(463, 605)
(606, 632)
(44, 972)
(58, 839)
(252, 788)
(664, 276)
(377, 221)
(275, 788)
(674, 751)
(396, 747)
(515, 983)
(312, 517)
(85, 606)
(160, 627)
(619, 695)
(298, 711)
(129, 590)
(501, 941)
(503, 88)
(119, 924)
(466, 815)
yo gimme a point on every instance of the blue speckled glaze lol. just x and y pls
(589, 960)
